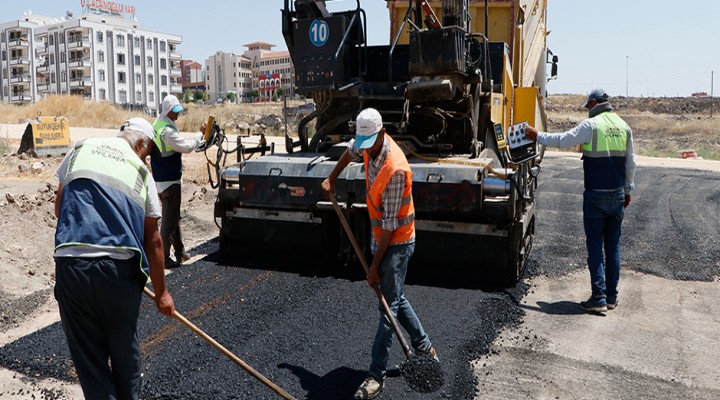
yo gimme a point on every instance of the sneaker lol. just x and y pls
(430, 352)
(594, 305)
(369, 389)
(611, 304)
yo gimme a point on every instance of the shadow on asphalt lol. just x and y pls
(557, 308)
(339, 383)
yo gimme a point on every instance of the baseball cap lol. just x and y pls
(171, 103)
(367, 125)
(597, 94)
(140, 125)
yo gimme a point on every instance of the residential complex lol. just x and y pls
(257, 69)
(102, 57)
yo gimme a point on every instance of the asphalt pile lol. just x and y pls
(423, 374)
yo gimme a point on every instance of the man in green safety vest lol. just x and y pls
(107, 243)
(166, 161)
(609, 165)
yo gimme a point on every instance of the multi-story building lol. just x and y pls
(271, 70)
(227, 73)
(258, 69)
(193, 75)
(100, 56)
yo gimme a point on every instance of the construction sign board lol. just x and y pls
(46, 136)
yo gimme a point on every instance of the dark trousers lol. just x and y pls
(603, 213)
(170, 223)
(99, 301)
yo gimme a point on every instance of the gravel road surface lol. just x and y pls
(312, 333)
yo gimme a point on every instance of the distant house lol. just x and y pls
(699, 94)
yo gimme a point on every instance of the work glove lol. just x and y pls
(199, 140)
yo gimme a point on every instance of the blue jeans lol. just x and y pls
(603, 213)
(392, 279)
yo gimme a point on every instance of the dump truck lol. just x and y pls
(455, 85)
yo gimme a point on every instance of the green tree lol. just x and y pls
(254, 94)
(231, 97)
(198, 95)
(280, 92)
(206, 97)
(187, 98)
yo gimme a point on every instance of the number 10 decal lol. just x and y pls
(319, 32)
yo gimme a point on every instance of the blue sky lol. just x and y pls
(654, 48)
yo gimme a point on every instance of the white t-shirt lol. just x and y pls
(152, 210)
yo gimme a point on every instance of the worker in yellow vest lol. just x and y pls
(609, 165)
(388, 182)
(107, 243)
(166, 161)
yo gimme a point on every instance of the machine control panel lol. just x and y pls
(521, 148)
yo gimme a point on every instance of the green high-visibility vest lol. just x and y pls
(609, 138)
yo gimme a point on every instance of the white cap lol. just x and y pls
(140, 125)
(170, 103)
(367, 125)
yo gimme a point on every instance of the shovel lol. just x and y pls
(422, 374)
(265, 381)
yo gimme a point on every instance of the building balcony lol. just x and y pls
(20, 61)
(175, 88)
(176, 72)
(41, 49)
(18, 42)
(20, 78)
(174, 55)
(78, 42)
(80, 81)
(20, 97)
(44, 87)
(76, 63)
(43, 68)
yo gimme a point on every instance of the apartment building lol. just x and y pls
(257, 69)
(193, 75)
(227, 73)
(100, 56)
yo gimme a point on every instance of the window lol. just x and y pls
(149, 44)
(101, 94)
(52, 77)
(4, 55)
(151, 96)
(136, 41)
(51, 40)
(101, 56)
(121, 59)
(52, 59)
(138, 96)
(162, 46)
(121, 77)
(122, 96)
(62, 57)
(138, 78)
(163, 63)
(101, 75)
(137, 60)
(150, 62)
(61, 38)
(150, 80)
(121, 41)
(163, 80)
(99, 37)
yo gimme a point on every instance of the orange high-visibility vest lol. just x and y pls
(395, 162)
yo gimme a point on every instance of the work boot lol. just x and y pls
(430, 352)
(182, 258)
(369, 389)
(594, 305)
(170, 263)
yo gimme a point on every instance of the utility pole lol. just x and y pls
(627, 81)
(712, 76)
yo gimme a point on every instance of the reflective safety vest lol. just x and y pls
(103, 200)
(166, 163)
(604, 156)
(394, 162)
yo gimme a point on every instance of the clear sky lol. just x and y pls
(655, 48)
